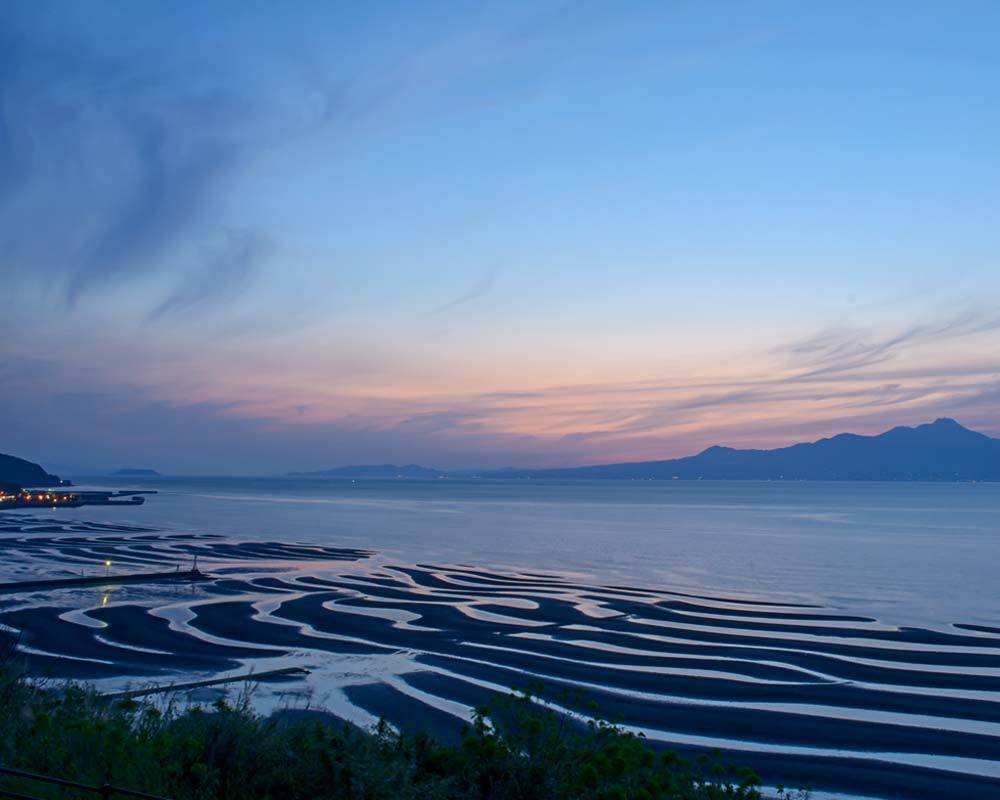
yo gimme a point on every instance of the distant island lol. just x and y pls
(136, 473)
(942, 450)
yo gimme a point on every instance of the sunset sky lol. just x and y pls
(251, 237)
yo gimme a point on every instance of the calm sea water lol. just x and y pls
(909, 554)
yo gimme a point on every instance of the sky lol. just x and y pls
(254, 237)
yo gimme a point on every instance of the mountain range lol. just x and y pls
(942, 450)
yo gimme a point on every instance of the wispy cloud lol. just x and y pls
(122, 153)
(842, 350)
(481, 287)
(114, 162)
(226, 269)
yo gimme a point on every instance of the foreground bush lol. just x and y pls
(518, 751)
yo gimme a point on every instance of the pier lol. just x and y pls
(193, 575)
(49, 498)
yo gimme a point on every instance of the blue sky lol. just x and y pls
(247, 237)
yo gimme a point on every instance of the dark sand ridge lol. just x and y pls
(234, 620)
(425, 572)
(132, 625)
(405, 712)
(980, 628)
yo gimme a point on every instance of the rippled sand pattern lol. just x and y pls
(806, 694)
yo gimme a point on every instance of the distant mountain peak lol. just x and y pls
(948, 422)
(947, 426)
